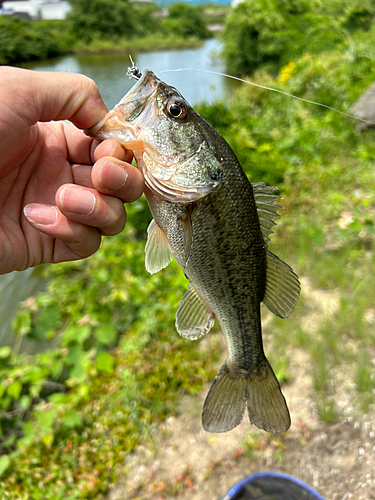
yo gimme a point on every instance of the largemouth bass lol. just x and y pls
(216, 224)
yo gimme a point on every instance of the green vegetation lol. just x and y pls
(114, 369)
(273, 32)
(102, 25)
(22, 40)
(115, 366)
(185, 20)
(109, 19)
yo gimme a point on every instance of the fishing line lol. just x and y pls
(269, 88)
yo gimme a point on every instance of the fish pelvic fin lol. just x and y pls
(233, 389)
(193, 318)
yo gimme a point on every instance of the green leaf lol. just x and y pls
(72, 419)
(46, 418)
(29, 431)
(5, 351)
(14, 389)
(74, 355)
(106, 334)
(58, 398)
(25, 402)
(5, 462)
(75, 334)
(57, 368)
(22, 323)
(104, 362)
(77, 374)
(49, 319)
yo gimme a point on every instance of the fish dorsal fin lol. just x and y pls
(193, 318)
(282, 287)
(158, 253)
(266, 207)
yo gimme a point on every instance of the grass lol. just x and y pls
(76, 453)
(331, 243)
(136, 44)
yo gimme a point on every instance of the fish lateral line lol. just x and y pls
(348, 115)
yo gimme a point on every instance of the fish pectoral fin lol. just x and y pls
(193, 318)
(158, 253)
(282, 287)
(232, 389)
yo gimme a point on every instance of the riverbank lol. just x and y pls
(52, 39)
(132, 29)
(139, 44)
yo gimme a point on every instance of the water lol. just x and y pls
(109, 71)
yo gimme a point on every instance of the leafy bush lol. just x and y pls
(95, 25)
(269, 34)
(186, 21)
(22, 40)
(109, 18)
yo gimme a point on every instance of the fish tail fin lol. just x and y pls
(233, 388)
(266, 405)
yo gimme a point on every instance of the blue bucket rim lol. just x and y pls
(235, 488)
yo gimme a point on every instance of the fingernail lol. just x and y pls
(112, 176)
(46, 215)
(77, 201)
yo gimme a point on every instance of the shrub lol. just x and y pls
(109, 18)
(186, 21)
(22, 40)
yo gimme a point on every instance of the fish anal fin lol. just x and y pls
(282, 287)
(233, 389)
(193, 318)
(158, 253)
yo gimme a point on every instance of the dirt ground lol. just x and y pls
(183, 460)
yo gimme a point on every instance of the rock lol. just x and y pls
(364, 109)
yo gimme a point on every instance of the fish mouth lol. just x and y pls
(118, 124)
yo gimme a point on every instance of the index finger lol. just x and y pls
(55, 96)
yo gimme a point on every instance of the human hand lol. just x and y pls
(59, 190)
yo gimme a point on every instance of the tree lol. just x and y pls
(107, 18)
(184, 20)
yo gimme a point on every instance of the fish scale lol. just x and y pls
(217, 226)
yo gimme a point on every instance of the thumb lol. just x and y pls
(56, 96)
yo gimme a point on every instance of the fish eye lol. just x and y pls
(176, 110)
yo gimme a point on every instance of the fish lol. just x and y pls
(217, 225)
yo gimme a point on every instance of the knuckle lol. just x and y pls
(87, 85)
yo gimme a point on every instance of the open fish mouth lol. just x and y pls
(119, 123)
